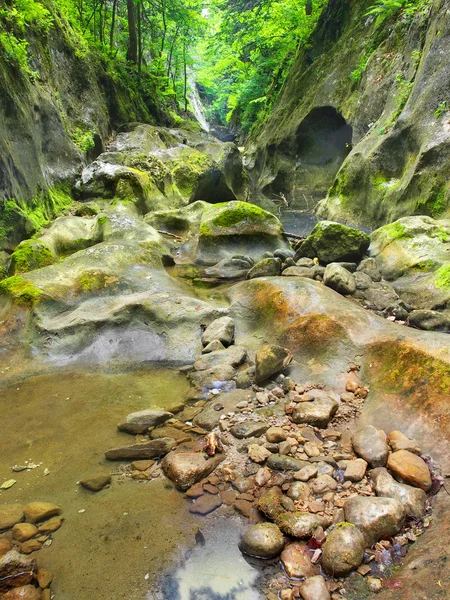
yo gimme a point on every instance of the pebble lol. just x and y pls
(276, 435)
(51, 525)
(324, 483)
(398, 441)
(44, 578)
(306, 473)
(258, 453)
(31, 546)
(97, 483)
(26, 592)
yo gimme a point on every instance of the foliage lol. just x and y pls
(84, 140)
(442, 108)
(384, 9)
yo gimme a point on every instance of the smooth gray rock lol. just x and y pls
(370, 444)
(268, 267)
(263, 540)
(248, 429)
(221, 329)
(232, 356)
(413, 499)
(139, 422)
(318, 412)
(339, 279)
(381, 295)
(301, 524)
(281, 462)
(369, 267)
(375, 517)
(151, 449)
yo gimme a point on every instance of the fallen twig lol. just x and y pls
(177, 237)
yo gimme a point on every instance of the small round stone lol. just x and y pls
(344, 550)
(263, 540)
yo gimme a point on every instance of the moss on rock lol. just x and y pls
(30, 255)
(20, 290)
(332, 242)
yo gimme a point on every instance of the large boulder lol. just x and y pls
(370, 444)
(343, 550)
(270, 360)
(376, 518)
(263, 540)
(412, 498)
(410, 469)
(334, 242)
(187, 468)
(233, 228)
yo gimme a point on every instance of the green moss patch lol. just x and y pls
(20, 290)
(30, 255)
(442, 277)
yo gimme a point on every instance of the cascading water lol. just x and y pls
(196, 104)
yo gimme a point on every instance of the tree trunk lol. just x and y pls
(113, 24)
(132, 50)
(185, 78)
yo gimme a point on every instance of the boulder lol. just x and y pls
(333, 242)
(187, 468)
(233, 356)
(343, 550)
(268, 267)
(412, 498)
(318, 412)
(410, 468)
(339, 279)
(296, 561)
(399, 441)
(221, 329)
(270, 360)
(233, 228)
(10, 514)
(263, 540)
(139, 422)
(142, 450)
(376, 518)
(314, 588)
(15, 570)
(370, 444)
(39, 511)
(301, 524)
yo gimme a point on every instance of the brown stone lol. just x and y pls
(44, 578)
(296, 561)
(142, 465)
(51, 525)
(5, 546)
(97, 483)
(31, 546)
(195, 491)
(314, 588)
(228, 496)
(38, 511)
(398, 441)
(26, 592)
(24, 531)
(244, 507)
(205, 504)
(410, 468)
(10, 514)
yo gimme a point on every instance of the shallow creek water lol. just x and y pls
(66, 421)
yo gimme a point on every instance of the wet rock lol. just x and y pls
(370, 445)
(244, 507)
(232, 356)
(376, 518)
(44, 578)
(139, 422)
(412, 499)
(318, 412)
(216, 378)
(410, 468)
(143, 450)
(248, 429)
(355, 470)
(301, 524)
(95, 484)
(15, 570)
(362, 281)
(205, 504)
(26, 592)
(31, 546)
(5, 546)
(430, 320)
(281, 462)
(284, 253)
(169, 432)
(369, 267)
(51, 525)
(276, 435)
(296, 561)
(344, 550)
(243, 484)
(213, 347)
(270, 360)
(263, 540)
(398, 441)
(270, 503)
(314, 588)
(187, 468)
(268, 267)
(334, 242)
(39, 511)
(209, 417)
(10, 514)
(24, 531)
(339, 279)
(221, 329)
(245, 378)
(323, 484)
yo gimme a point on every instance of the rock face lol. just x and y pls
(339, 279)
(412, 499)
(332, 242)
(270, 360)
(187, 468)
(375, 517)
(344, 550)
(139, 422)
(410, 468)
(264, 540)
(371, 446)
(237, 228)
(296, 561)
(142, 450)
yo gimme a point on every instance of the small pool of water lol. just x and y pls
(214, 570)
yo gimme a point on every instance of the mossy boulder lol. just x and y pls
(334, 242)
(30, 255)
(232, 228)
(180, 220)
(20, 290)
(343, 550)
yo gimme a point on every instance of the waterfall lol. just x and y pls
(196, 104)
